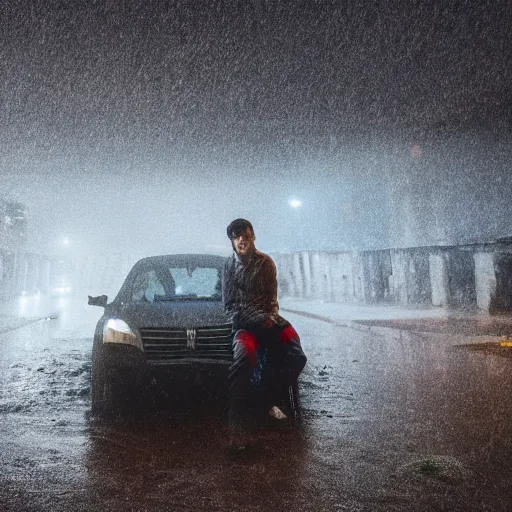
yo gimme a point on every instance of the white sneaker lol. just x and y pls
(276, 413)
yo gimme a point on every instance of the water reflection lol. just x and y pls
(388, 408)
(434, 401)
(441, 398)
(178, 458)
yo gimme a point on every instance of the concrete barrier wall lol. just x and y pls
(316, 275)
(25, 272)
(22, 272)
(469, 276)
(485, 279)
(438, 279)
(501, 295)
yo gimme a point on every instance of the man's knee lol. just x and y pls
(295, 357)
(289, 335)
(245, 346)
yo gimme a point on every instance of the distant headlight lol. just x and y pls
(118, 331)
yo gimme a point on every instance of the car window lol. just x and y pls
(146, 285)
(201, 282)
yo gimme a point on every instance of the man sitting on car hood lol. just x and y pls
(250, 297)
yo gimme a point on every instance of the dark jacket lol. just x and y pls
(249, 291)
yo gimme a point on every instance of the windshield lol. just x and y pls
(177, 283)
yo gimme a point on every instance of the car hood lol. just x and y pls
(180, 314)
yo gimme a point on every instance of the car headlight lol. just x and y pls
(118, 331)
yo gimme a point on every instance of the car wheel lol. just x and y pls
(113, 391)
(102, 389)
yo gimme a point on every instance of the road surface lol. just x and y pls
(392, 420)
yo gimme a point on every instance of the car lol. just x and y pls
(167, 318)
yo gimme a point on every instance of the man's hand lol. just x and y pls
(268, 323)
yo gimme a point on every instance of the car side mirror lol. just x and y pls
(101, 300)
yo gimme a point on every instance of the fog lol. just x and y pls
(146, 128)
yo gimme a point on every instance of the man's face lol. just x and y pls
(243, 244)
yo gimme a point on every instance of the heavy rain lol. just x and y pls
(369, 143)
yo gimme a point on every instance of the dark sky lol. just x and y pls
(155, 96)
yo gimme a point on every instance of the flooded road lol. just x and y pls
(395, 420)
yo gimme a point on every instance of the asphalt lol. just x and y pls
(23, 310)
(27, 309)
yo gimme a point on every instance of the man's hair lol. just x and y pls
(237, 227)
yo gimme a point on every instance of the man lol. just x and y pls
(266, 348)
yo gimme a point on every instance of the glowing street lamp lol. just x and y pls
(295, 203)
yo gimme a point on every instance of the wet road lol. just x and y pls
(393, 421)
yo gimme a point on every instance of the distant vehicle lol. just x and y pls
(61, 288)
(168, 315)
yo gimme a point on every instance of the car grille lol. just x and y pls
(174, 345)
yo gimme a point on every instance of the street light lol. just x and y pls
(296, 204)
